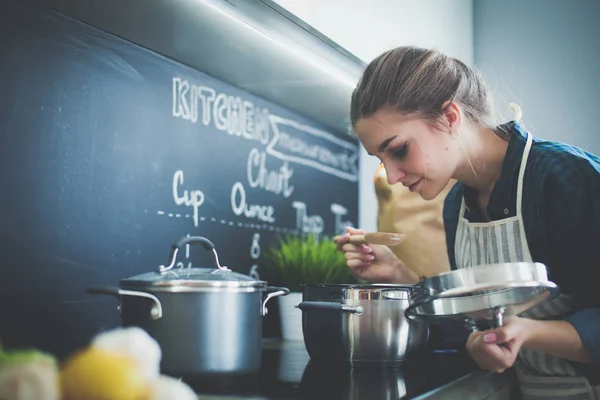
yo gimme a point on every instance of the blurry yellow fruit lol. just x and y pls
(135, 343)
(94, 374)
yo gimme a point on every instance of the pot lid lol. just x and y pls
(195, 277)
(481, 293)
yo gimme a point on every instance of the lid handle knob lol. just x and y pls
(184, 241)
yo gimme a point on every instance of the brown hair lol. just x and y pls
(417, 81)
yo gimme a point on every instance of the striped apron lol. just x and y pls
(540, 375)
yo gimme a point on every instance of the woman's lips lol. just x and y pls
(413, 187)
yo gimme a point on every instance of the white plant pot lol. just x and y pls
(291, 317)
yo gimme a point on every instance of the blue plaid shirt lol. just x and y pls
(561, 215)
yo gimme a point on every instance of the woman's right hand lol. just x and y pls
(373, 263)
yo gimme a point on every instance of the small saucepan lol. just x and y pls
(360, 324)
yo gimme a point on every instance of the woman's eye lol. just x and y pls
(402, 152)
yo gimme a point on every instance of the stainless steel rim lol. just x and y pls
(357, 292)
(475, 278)
(374, 286)
(513, 298)
(194, 287)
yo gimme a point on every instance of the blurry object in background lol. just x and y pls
(28, 374)
(119, 364)
(135, 343)
(97, 374)
(402, 211)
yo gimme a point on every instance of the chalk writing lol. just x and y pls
(277, 182)
(180, 264)
(339, 226)
(286, 141)
(239, 224)
(255, 247)
(312, 224)
(306, 145)
(191, 198)
(254, 272)
(240, 206)
(255, 254)
(227, 113)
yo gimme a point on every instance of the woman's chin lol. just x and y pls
(428, 191)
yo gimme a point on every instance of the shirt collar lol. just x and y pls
(517, 136)
(503, 196)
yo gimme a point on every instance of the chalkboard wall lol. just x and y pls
(111, 152)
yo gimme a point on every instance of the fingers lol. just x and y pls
(505, 334)
(353, 231)
(349, 231)
(369, 262)
(340, 240)
(358, 248)
(512, 330)
(489, 355)
(357, 256)
(358, 259)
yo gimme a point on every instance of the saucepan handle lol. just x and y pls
(499, 316)
(273, 291)
(156, 310)
(331, 306)
(497, 320)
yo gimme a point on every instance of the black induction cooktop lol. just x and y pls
(287, 372)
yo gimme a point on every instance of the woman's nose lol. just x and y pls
(394, 175)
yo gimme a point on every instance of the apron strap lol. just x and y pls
(522, 174)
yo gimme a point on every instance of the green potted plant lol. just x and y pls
(299, 260)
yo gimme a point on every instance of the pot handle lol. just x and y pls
(184, 241)
(156, 310)
(331, 306)
(273, 291)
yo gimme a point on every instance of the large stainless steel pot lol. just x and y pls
(360, 324)
(207, 321)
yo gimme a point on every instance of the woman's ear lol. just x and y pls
(452, 115)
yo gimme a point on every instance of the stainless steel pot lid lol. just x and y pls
(193, 277)
(167, 276)
(482, 293)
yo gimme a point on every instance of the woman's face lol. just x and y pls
(413, 152)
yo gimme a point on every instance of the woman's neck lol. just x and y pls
(484, 154)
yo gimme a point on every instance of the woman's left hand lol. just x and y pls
(496, 350)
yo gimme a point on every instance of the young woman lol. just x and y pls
(428, 118)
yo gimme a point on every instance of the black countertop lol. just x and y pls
(287, 372)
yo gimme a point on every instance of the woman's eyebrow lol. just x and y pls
(386, 143)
